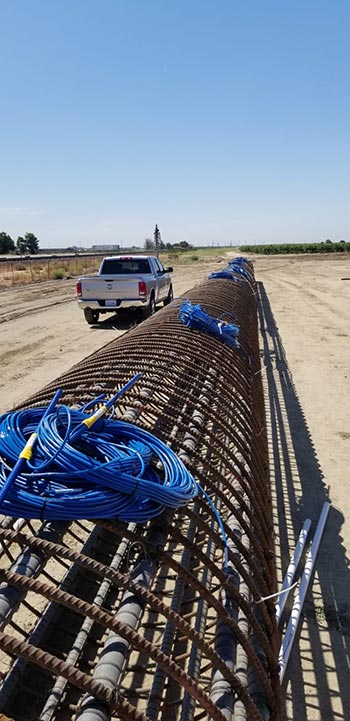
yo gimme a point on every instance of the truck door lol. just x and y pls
(162, 280)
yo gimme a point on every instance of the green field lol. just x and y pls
(291, 248)
(197, 254)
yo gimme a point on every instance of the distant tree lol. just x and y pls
(21, 245)
(184, 244)
(6, 243)
(328, 240)
(149, 244)
(342, 241)
(32, 243)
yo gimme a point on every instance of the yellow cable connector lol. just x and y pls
(95, 416)
(28, 448)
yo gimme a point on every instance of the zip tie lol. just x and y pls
(264, 367)
(279, 593)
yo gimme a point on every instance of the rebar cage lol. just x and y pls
(104, 620)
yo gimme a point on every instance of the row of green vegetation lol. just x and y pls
(279, 248)
(151, 245)
(176, 257)
(28, 243)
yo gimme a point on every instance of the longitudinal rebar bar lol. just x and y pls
(157, 621)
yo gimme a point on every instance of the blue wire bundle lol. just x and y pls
(225, 273)
(108, 472)
(238, 268)
(239, 265)
(195, 317)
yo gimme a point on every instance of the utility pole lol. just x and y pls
(157, 239)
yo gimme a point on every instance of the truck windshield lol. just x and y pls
(125, 267)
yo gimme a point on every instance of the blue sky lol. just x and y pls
(221, 120)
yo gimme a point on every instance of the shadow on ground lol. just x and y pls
(118, 321)
(318, 673)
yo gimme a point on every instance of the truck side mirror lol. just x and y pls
(169, 270)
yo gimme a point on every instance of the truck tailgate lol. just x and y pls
(119, 287)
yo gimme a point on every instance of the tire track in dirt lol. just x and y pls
(47, 333)
(309, 296)
(15, 315)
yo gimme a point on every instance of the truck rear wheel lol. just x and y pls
(91, 316)
(151, 308)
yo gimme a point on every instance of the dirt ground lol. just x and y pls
(305, 345)
(43, 332)
(304, 313)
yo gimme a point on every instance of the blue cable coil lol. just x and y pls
(225, 273)
(238, 268)
(241, 259)
(195, 317)
(117, 470)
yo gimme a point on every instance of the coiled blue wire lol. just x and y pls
(108, 472)
(238, 268)
(195, 317)
(225, 273)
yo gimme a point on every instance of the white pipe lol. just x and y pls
(18, 524)
(288, 640)
(291, 570)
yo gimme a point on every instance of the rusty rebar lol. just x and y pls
(206, 401)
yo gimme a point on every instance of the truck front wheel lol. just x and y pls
(170, 296)
(91, 316)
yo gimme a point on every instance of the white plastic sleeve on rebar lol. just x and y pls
(287, 643)
(291, 570)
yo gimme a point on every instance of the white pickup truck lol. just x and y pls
(133, 282)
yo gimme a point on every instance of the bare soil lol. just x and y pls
(43, 332)
(305, 344)
(305, 340)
